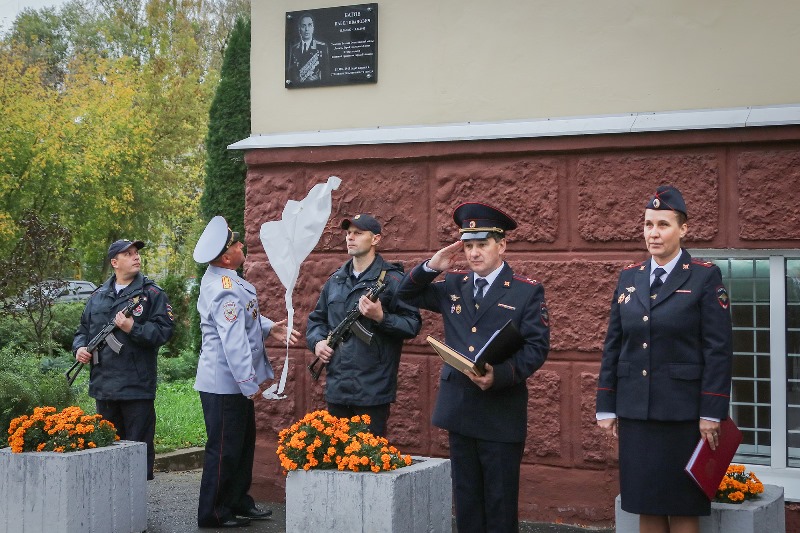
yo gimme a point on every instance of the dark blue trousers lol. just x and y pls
(228, 462)
(135, 420)
(485, 484)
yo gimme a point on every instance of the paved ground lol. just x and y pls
(172, 508)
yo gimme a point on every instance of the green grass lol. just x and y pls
(179, 417)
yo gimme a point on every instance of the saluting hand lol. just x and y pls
(279, 332)
(445, 258)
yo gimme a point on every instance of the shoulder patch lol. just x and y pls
(633, 265)
(526, 280)
(226, 282)
(707, 264)
(229, 311)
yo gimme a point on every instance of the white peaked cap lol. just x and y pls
(213, 240)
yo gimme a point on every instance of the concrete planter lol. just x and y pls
(765, 513)
(90, 491)
(416, 498)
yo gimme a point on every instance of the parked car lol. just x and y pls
(75, 290)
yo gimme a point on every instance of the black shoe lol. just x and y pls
(254, 513)
(230, 522)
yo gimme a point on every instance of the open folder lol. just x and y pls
(501, 345)
(707, 467)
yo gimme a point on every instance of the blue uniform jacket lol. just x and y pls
(500, 413)
(359, 373)
(669, 360)
(233, 359)
(130, 374)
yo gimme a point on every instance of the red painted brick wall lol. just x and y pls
(579, 203)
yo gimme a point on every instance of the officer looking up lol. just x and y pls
(124, 384)
(233, 365)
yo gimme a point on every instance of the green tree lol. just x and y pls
(105, 109)
(229, 121)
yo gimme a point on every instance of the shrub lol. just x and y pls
(177, 292)
(66, 318)
(23, 384)
(177, 368)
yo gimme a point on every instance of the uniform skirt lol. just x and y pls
(652, 457)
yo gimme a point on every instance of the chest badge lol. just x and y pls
(621, 298)
(138, 310)
(506, 284)
(252, 308)
(454, 298)
(458, 309)
(630, 289)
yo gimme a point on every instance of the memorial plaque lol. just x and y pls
(332, 46)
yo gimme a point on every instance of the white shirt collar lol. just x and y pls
(668, 267)
(490, 277)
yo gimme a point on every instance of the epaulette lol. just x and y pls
(707, 264)
(526, 280)
(634, 265)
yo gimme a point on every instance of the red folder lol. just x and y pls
(707, 467)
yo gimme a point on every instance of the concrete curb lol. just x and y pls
(179, 460)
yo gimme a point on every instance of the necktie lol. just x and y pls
(657, 283)
(481, 284)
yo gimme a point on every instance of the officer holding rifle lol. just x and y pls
(123, 378)
(362, 368)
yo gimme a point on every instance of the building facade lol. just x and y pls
(568, 115)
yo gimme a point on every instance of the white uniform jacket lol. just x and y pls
(233, 359)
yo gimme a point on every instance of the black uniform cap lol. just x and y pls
(122, 245)
(667, 198)
(363, 222)
(477, 220)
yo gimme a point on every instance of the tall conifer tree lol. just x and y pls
(229, 121)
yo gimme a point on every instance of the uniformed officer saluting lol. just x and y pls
(233, 365)
(486, 416)
(666, 370)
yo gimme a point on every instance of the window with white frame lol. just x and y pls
(764, 289)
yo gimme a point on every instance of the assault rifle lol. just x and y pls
(346, 326)
(104, 338)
